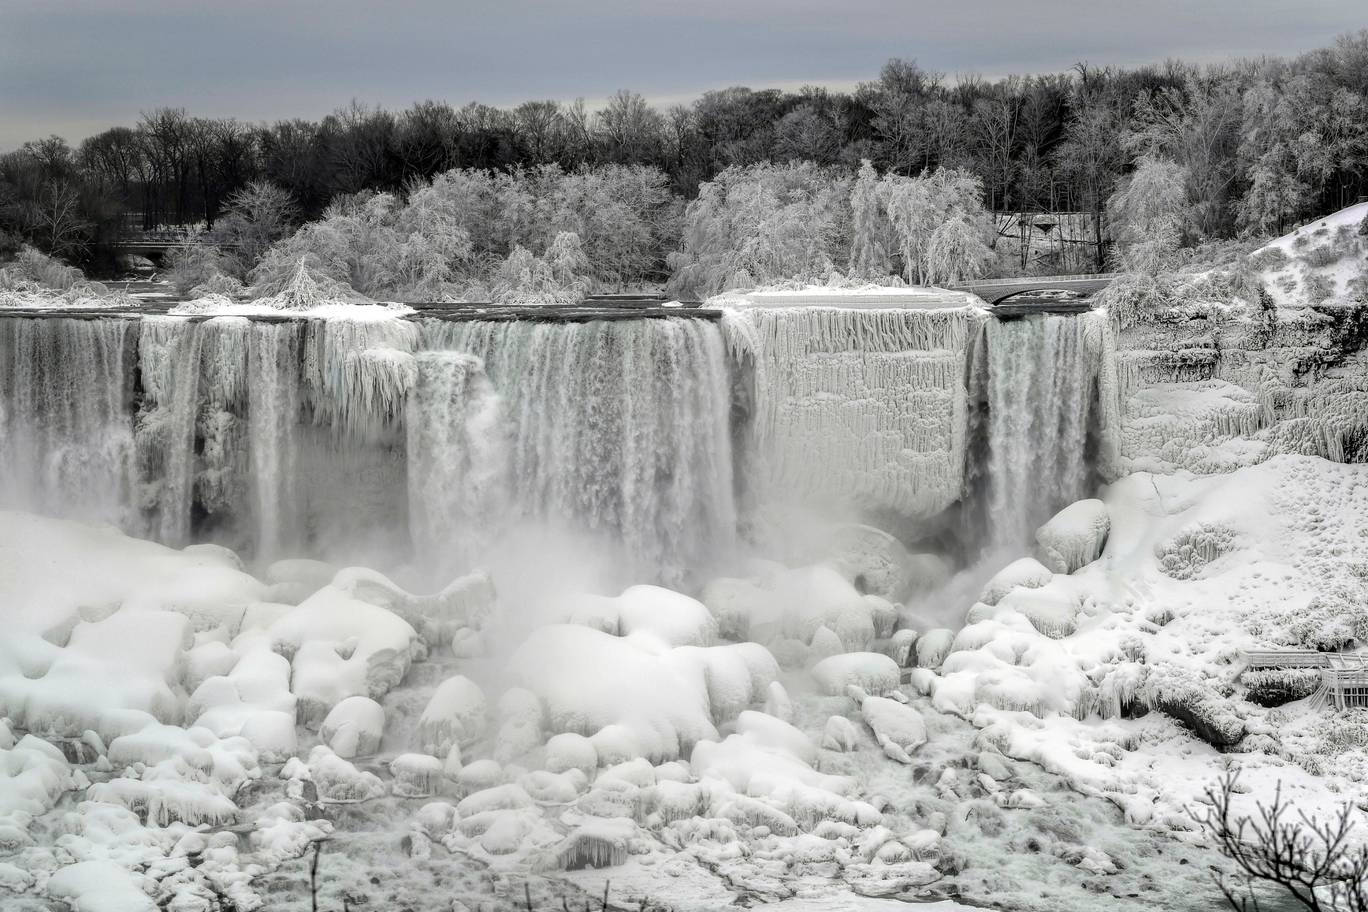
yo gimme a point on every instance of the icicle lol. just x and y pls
(358, 373)
(862, 406)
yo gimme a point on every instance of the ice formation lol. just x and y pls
(866, 407)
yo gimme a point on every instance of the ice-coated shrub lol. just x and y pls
(1334, 619)
(1133, 298)
(1188, 553)
(32, 265)
(1267, 259)
(219, 284)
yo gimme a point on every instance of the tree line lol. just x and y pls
(1259, 145)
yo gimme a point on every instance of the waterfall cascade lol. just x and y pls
(287, 437)
(434, 437)
(1048, 381)
(66, 440)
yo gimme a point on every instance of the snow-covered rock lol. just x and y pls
(354, 727)
(455, 714)
(870, 671)
(1074, 537)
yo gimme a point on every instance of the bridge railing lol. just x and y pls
(1043, 281)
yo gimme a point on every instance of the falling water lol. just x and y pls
(615, 427)
(66, 438)
(273, 411)
(1041, 386)
(457, 461)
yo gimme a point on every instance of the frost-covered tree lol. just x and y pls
(870, 231)
(957, 252)
(918, 207)
(557, 277)
(763, 223)
(1147, 214)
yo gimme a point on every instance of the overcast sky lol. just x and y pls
(74, 67)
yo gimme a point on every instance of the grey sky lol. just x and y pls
(74, 67)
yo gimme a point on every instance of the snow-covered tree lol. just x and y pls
(258, 215)
(1147, 215)
(870, 230)
(557, 277)
(957, 252)
(919, 206)
(763, 223)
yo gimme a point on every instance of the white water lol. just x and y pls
(273, 412)
(1041, 382)
(66, 444)
(438, 438)
(615, 427)
(458, 462)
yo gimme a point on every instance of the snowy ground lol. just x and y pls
(752, 746)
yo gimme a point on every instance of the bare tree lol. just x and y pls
(1311, 861)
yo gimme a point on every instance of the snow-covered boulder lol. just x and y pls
(340, 647)
(465, 602)
(839, 734)
(455, 714)
(1074, 537)
(1053, 610)
(569, 750)
(339, 781)
(933, 646)
(588, 679)
(416, 775)
(354, 727)
(898, 728)
(100, 886)
(870, 671)
(1025, 573)
(1180, 694)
